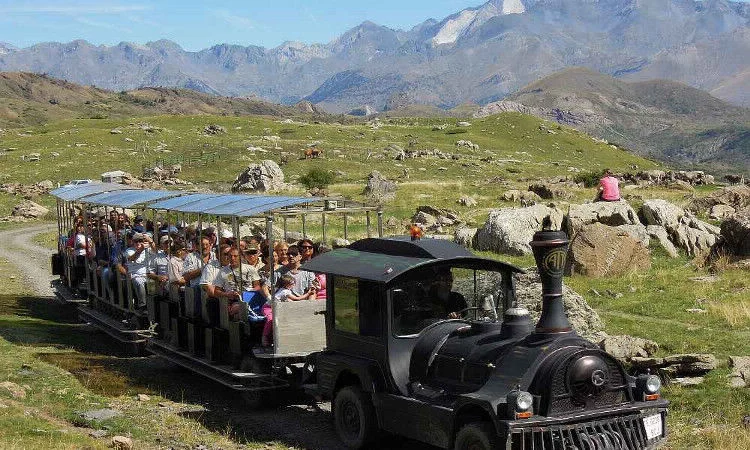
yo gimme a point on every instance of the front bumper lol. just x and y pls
(618, 430)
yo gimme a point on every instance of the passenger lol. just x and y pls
(176, 263)
(210, 276)
(609, 189)
(252, 256)
(194, 262)
(82, 249)
(227, 237)
(303, 279)
(135, 266)
(320, 278)
(445, 302)
(283, 293)
(307, 249)
(138, 224)
(281, 248)
(236, 279)
(158, 267)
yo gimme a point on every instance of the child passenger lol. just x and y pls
(283, 294)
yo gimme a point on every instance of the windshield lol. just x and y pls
(444, 293)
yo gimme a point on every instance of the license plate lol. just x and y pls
(653, 426)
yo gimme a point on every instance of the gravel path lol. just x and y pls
(32, 260)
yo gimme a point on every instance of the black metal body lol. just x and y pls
(457, 371)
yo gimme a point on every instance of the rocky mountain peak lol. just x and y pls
(6, 48)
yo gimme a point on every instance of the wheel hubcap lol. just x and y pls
(350, 418)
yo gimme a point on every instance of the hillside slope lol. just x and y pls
(30, 99)
(663, 119)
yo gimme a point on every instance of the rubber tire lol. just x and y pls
(476, 436)
(352, 400)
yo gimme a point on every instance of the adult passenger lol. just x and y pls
(136, 258)
(304, 281)
(609, 189)
(306, 249)
(158, 267)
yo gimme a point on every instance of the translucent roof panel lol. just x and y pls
(278, 202)
(251, 205)
(177, 203)
(130, 198)
(207, 205)
(69, 193)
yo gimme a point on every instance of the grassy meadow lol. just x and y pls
(514, 150)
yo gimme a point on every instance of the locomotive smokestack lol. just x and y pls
(550, 252)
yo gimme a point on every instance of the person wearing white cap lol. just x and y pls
(136, 259)
(158, 266)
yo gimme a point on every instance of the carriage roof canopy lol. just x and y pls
(385, 260)
(239, 205)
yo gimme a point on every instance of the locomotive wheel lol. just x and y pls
(476, 436)
(354, 417)
(259, 399)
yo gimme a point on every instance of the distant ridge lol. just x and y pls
(659, 118)
(31, 99)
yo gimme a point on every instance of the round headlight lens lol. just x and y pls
(653, 384)
(524, 401)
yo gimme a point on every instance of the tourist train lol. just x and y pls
(413, 336)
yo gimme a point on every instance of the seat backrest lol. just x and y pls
(255, 301)
(297, 329)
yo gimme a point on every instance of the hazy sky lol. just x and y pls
(199, 24)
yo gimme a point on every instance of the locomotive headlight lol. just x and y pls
(653, 384)
(524, 401)
(520, 404)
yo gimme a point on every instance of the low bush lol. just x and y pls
(317, 178)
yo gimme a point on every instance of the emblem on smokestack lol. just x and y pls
(550, 252)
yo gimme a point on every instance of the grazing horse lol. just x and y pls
(313, 152)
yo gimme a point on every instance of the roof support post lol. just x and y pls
(269, 238)
(380, 223)
(346, 227)
(323, 218)
(304, 227)
(367, 217)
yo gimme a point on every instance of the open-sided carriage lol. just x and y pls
(185, 325)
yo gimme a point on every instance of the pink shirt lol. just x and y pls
(321, 294)
(610, 188)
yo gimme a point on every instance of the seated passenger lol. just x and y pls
(446, 302)
(210, 276)
(135, 259)
(283, 294)
(304, 280)
(176, 263)
(158, 267)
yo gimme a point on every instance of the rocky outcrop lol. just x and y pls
(510, 230)
(465, 236)
(685, 230)
(378, 188)
(660, 234)
(584, 320)
(662, 213)
(740, 375)
(683, 365)
(607, 213)
(720, 212)
(625, 348)
(738, 197)
(637, 232)
(736, 233)
(549, 191)
(29, 210)
(526, 198)
(598, 251)
(264, 177)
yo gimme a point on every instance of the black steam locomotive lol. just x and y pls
(405, 357)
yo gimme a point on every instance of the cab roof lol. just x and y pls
(386, 259)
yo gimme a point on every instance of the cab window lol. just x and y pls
(357, 306)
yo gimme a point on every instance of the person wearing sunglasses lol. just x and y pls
(306, 249)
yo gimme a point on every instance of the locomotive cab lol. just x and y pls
(425, 340)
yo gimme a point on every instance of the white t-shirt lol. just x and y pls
(210, 273)
(80, 248)
(281, 295)
(229, 278)
(138, 267)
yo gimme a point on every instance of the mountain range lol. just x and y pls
(479, 55)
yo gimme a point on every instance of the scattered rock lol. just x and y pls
(720, 212)
(29, 210)
(662, 213)
(468, 144)
(706, 279)
(598, 250)
(264, 177)
(378, 188)
(687, 381)
(584, 320)
(115, 131)
(549, 191)
(526, 198)
(340, 242)
(737, 197)
(740, 375)
(101, 414)
(142, 397)
(214, 129)
(98, 434)
(15, 390)
(637, 232)
(686, 231)
(465, 200)
(122, 443)
(691, 364)
(463, 124)
(626, 347)
(696, 311)
(510, 230)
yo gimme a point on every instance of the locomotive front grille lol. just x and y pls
(626, 432)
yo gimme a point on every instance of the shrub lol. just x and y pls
(589, 179)
(317, 178)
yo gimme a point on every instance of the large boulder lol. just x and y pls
(465, 236)
(637, 232)
(526, 198)
(607, 213)
(581, 316)
(624, 347)
(29, 210)
(264, 177)
(378, 188)
(695, 236)
(736, 233)
(598, 251)
(549, 191)
(509, 230)
(661, 212)
(660, 234)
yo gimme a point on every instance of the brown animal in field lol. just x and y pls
(313, 152)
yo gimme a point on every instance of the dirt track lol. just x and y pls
(296, 424)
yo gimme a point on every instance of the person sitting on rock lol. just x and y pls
(609, 189)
